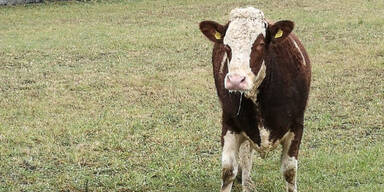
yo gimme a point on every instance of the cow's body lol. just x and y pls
(269, 113)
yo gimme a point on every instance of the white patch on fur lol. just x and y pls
(228, 188)
(245, 25)
(298, 48)
(232, 142)
(264, 137)
(230, 148)
(225, 58)
(266, 144)
(245, 161)
(289, 163)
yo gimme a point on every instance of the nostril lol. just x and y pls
(236, 82)
(236, 78)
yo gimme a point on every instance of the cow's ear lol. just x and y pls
(279, 31)
(213, 31)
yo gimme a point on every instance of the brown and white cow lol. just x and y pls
(262, 75)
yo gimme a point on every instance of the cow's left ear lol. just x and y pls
(279, 30)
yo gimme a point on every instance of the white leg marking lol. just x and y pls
(245, 159)
(232, 142)
(289, 169)
(298, 48)
(289, 165)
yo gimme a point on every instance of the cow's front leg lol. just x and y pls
(289, 160)
(232, 142)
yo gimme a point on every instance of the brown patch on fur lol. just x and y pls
(209, 29)
(289, 176)
(257, 54)
(285, 26)
(227, 174)
(297, 127)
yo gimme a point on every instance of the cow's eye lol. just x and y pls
(260, 46)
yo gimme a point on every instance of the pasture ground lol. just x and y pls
(119, 96)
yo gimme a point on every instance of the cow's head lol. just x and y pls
(246, 38)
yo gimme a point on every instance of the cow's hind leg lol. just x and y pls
(289, 159)
(232, 142)
(245, 165)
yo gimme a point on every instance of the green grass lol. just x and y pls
(119, 96)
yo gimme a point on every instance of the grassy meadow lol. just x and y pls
(119, 96)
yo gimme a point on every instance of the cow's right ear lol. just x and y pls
(213, 31)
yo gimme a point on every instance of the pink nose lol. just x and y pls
(235, 82)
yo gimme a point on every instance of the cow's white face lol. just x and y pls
(244, 42)
(245, 39)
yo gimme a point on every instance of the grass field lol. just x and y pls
(119, 96)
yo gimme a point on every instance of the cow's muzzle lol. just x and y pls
(236, 82)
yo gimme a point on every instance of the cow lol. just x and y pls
(262, 76)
